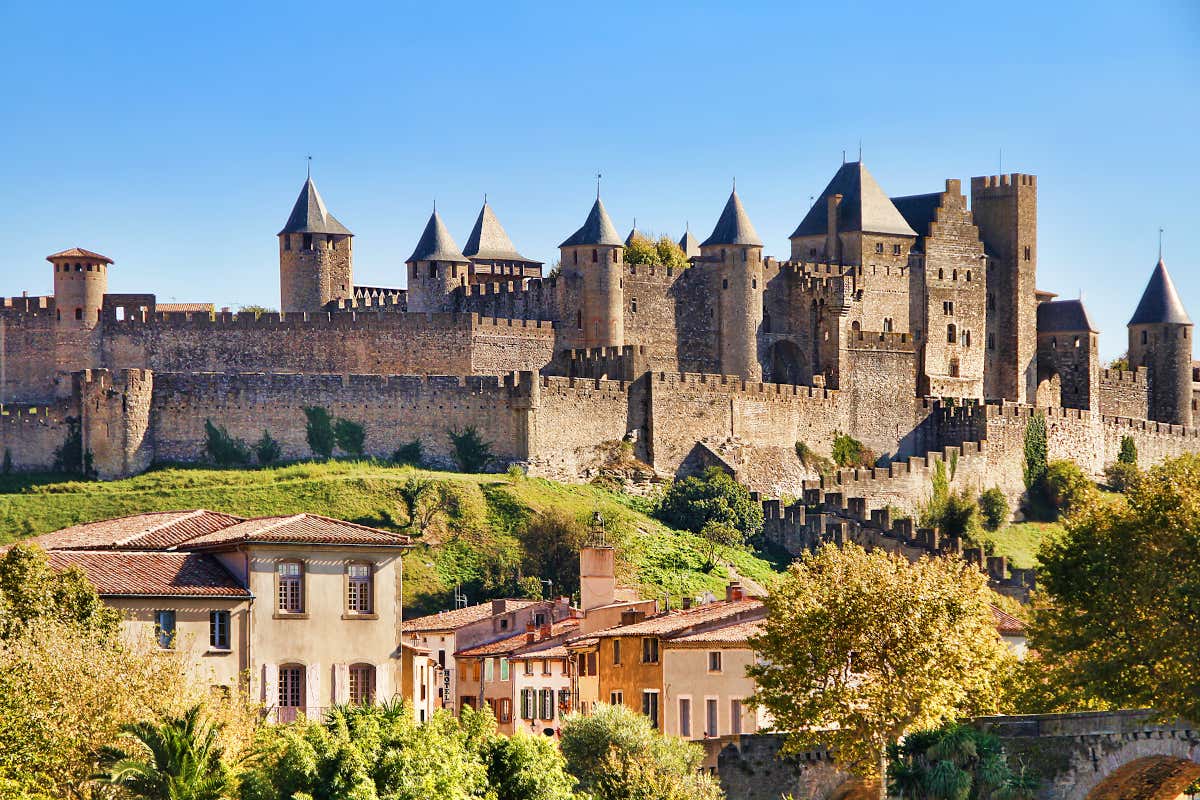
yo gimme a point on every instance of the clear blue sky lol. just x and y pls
(174, 139)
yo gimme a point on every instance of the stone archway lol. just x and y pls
(1162, 776)
(1049, 387)
(788, 364)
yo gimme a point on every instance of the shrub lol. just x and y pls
(1035, 451)
(850, 452)
(1067, 487)
(719, 534)
(1122, 476)
(70, 456)
(956, 515)
(551, 541)
(471, 452)
(267, 450)
(993, 507)
(1128, 453)
(223, 449)
(318, 430)
(715, 496)
(813, 460)
(349, 436)
(514, 472)
(412, 453)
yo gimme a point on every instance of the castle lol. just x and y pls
(912, 323)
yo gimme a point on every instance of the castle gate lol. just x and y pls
(788, 364)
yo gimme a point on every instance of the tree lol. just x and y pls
(615, 754)
(662, 253)
(318, 430)
(1035, 451)
(223, 449)
(471, 452)
(715, 496)
(719, 534)
(993, 507)
(850, 452)
(954, 762)
(257, 311)
(1119, 616)
(32, 591)
(860, 648)
(1067, 488)
(551, 540)
(411, 453)
(524, 767)
(349, 436)
(1128, 453)
(1120, 476)
(267, 450)
(424, 500)
(178, 759)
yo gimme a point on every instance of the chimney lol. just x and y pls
(833, 249)
(544, 632)
(530, 633)
(597, 577)
(687, 602)
(733, 591)
(632, 616)
(498, 607)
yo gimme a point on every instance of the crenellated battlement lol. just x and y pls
(270, 386)
(732, 384)
(1126, 377)
(39, 305)
(357, 319)
(1002, 182)
(554, 384)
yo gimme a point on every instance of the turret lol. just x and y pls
(595, 255)
(316, 264)
(435, 269)
(492, 254)
(80, 283)
(1160, 338)
(736, 252)
(689, 244)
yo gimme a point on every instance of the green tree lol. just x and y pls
(954, 762)
(1035, 451)
(223, 449)
(425, 501)
(860, 648)
(257, 311)
(551, 540)
(615, 754)
(1128, 453)
(715, 496)
(1119, 617)
(1121, 476)
(267, 450)
(471, 452)
(524, 767)
(1067, 488)
(318, 430)
(719, 534)
(411, 453)
(662, 253)
(8, 462)
(179, 759)
(32, 591)
(349, 436)
(993, 507)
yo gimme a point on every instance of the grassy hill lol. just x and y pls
(477, 547)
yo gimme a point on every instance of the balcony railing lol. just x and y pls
(283, 715)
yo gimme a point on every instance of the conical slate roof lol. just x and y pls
(1160, 303)
(864, 207)
(634, 233)
(734, 226)
(489, 241)
(437, 244)
(309, 215)
(597, 229)
(689, 245)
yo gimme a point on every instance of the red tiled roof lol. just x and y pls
(1007, 624)
(79, 252)
(304, 528)
(460, 617)
(151, 574)
(680, 622)
(737, 633)
(519, 642)
(153, 531)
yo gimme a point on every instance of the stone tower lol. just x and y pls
(435, 269)
(80, 283)
(594, 255)
(1160, 338)
(1068, 358)
(1005, 211)
(316, 265)
(735, 251)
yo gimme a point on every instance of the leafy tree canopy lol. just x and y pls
(715, 496)
(30, 591)
(662, 253)
(955, 762)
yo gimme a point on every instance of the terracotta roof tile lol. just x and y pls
(151, 574)
(683, 621)
(460, 617)
(737, 633)
(519, 643)
(152, 531)
(1007, 624)
(306, 528)
(79, 252)
(202, 307)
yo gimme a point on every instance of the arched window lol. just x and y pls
(854, 326)
(951, 334)
(287, 242)
(289, 587)
(360, 588)
(954, 275)
(362, 684)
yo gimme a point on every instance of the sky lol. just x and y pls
(174, 138)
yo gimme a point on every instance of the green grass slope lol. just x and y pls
(479, 549)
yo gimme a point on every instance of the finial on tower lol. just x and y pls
(598, 176)
(310, 167)
(1160, 231)
(860, 151)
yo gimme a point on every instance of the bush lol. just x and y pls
(813, 460)
(267, 450)
(850, 452)
(471, 452)
(1035, 451)
(955, 515)
(349, 436)
(1067, 487)
(1122, 476)
(551, 541)
(412, 453)
(993, 507)
(1128, 453)
(715, 496)
(318, 430)
(223, 449)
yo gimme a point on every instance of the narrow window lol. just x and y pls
(433, 269)
(941, 274)
(710, 717)
(575, 257)
(649, 650)
(714, 661)
(218, 630)
(362, 684)
(954, 275)
(79, 313)
(685, 717)
(546, 704)
(594, 258)
(359, 589)
(1028, 252)
(991, 341)
(89, 267)
(812, 252)
(616, 698)
(291, 691)
(503, 669)
(527, 704)
(579, 320)
(887, 324)
(954, 368)
(1077, 341)
(895, 249)
(287, 242)
(951, 334)
(489, 669)
(308, 241)
(650, 706)
(290, 579)
(735, 717)
(505, 714)
(633, 305)
(725, 284)
(545, 666)
(754, 283)
(592, 658)
(879, 247)
(164, 629)
(1143, 337)
(968, 276)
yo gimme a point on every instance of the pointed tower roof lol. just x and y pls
(864, 207)
(437, 244)
(597, 229)
(689, 244)
(734, 226)
(1064, 316)
(488, 240)
(1160, 303)
(309, 215)
(634, 233)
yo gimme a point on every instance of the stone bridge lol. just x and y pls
(1118, 755)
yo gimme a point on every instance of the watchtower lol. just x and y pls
(1160, 338)
(594, 255)
(316, 262)
(735, 251)
(435, 269)
(1004, 208)
(80, 283)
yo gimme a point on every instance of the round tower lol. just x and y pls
(595, 255)
(316, 262)
(1160, 339)
(80, 283)
(736, 252)
(435, 269)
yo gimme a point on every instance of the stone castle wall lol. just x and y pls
(1125, 393)
(31, 434)
(27, 336)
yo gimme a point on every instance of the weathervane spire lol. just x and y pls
(1160, 231)
(598, 176)
(310, 167)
